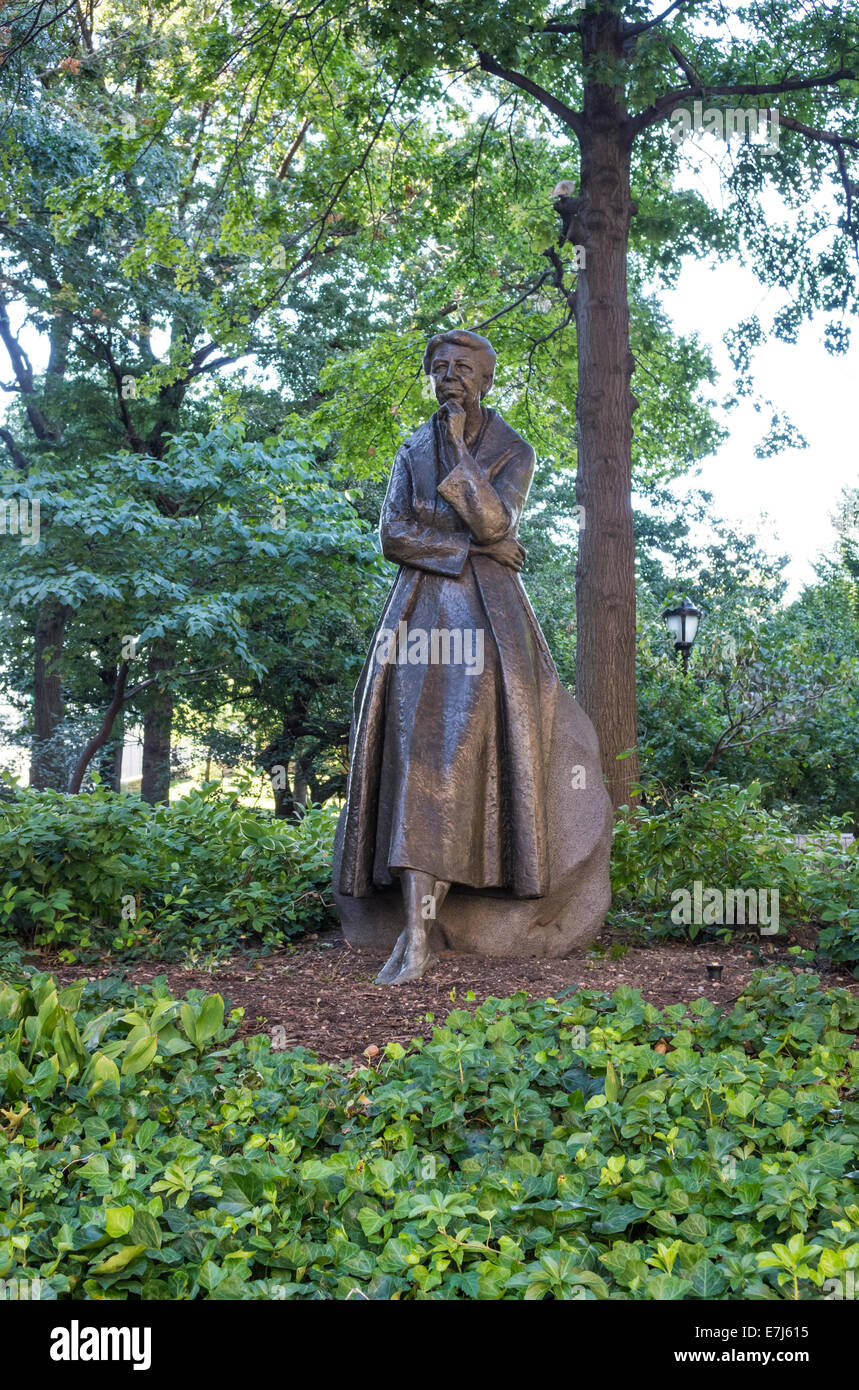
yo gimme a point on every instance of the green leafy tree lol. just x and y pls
(611, 77)
(151, 237)
(256, 553)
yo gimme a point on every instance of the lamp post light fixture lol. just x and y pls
(682, 623)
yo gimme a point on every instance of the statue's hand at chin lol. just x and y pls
(453, 419)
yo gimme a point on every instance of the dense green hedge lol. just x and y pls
(586, 1147)
(105, 871)
(721, 836)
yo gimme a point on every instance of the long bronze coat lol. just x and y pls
(448, 768)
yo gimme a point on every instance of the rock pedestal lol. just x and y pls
(490, 922)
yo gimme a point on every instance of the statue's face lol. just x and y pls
(459, 374)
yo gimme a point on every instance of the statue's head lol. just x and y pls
(461, 365)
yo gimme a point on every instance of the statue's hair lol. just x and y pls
(462, 337)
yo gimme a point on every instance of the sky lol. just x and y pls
(787, 501)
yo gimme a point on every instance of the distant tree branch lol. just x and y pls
(561, 26)
(42, 427)
(290, 154)
(100, 738)
(632, 31)
(36, 27)
(15, 454)
(103, 349)
(214, 365)
(566, 114)
(827, 137)
(699, 90)
(508, 308)
(693, 77)
(729, 737)
(838, 143)
(191, 676)
(17, 356)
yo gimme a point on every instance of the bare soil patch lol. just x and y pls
(321, 993)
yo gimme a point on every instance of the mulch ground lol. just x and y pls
(320, 993)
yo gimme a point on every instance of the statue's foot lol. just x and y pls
(393, 964)
(408, 961)
(416, 958)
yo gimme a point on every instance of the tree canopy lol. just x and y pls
(236, 226)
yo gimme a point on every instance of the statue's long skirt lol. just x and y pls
(448, 768)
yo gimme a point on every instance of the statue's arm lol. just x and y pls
(405, 540)
(490, 509)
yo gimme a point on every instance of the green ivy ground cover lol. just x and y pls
(531, 1150)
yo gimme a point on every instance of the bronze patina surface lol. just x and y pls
(455, 711)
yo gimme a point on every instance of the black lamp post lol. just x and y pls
(682, 623)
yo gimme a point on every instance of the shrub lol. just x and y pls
(584, 1147)
(721, 835)
(108, 871)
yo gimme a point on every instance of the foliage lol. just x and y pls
(766, 697)
(260, 565)
(107, 872)
(159, 221)
(585, 1148)
(771, 693)
(151, 236)
(720, 835)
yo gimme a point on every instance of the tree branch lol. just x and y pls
(18, 357)
(689, 72)
(288, 157)
(727, 739)
(180, 675)
(15, 454)
(700, 89)
(827, 137)
(532, 289)
(100, 738)
(632, 31)
(104, 350)
(566, 114)
(41, 425)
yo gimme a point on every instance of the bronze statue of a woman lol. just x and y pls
(454, 711)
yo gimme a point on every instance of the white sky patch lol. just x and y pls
(786, 501)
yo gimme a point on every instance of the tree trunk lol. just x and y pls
(275, 759)
(100, 738)
(118, 749)
(48, 759)
(299, 790)
(107, 761)
(157, 726)
(605, 573)
(282, 799)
